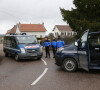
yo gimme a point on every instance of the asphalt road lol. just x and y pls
(43, 75)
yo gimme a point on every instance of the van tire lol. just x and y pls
(6, 54)
(17, 57)
(70, 65)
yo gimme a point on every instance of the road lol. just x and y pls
(43, 75)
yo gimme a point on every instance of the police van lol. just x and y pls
(22, 47)
(84, 53)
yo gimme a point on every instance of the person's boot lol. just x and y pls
(46, 57)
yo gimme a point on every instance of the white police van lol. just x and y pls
(22, 47)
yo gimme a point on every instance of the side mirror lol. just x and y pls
(76, 44)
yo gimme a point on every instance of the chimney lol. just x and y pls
(43, 24)
(19, 25)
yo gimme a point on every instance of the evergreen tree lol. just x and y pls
(86, 15)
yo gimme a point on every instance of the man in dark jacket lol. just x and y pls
(54, 46)
(47, 46)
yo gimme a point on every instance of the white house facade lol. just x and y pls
(36, 34)
(63, 30)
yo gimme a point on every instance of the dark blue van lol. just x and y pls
(84, 53)
(22, 47)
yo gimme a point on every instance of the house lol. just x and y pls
(30, 29)
(63, 30)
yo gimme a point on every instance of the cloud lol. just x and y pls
(32, 11)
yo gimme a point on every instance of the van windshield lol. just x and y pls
(27, 40)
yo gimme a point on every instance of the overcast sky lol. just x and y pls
(32, 11)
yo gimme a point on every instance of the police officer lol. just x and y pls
(47, 46)
(60, 42)
(54, 46)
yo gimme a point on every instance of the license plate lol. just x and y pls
(34, 55)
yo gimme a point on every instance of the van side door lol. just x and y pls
(83, 51)
(94, 45)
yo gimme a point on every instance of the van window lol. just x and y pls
(27, 40)
(94, 40)
(83, 40)
(8, 42)
(14, 45)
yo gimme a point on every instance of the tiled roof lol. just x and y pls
(12, 30)
(28, 28)
(31, 28)
(63, 28)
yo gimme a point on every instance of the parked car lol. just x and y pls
(84, 53)
(22, 47)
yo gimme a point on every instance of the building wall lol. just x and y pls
(17, 30)
(56, 32)
(37, 34)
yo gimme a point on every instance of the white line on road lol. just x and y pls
(40, 77)
(44, 61)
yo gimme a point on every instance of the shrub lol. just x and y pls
(69, 40)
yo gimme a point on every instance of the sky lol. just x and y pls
(32, 11)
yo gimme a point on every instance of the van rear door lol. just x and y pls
(83, 51)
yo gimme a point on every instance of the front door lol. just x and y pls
(83, 51)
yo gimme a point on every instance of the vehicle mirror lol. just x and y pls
(76, 43)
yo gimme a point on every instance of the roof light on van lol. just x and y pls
(12, 33)
(23, 34)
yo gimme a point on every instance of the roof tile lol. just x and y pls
(31, 27)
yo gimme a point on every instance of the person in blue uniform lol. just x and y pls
(54, 46)
(60, 42)
(47, 45)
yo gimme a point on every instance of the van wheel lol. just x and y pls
(6, 54)
(69, 65)
(17, 57)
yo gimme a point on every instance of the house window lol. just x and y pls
(62, 34)
(57, 34)
(71, 33)
(68, 34)
(40, 36)
(35, 35)
(65, 33)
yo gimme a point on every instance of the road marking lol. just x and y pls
(44, 61)
(40, 77)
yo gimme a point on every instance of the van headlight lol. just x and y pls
(60, 49)
(22, 50)
(40, 49)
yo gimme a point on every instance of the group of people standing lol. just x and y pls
(54, 44)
